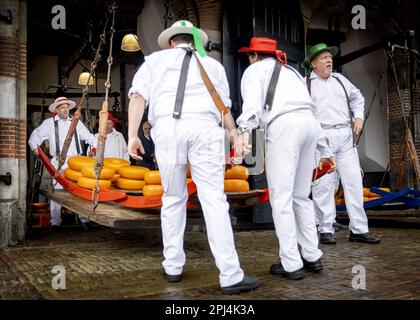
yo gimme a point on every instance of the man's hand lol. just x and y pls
(326, 160)
(135, 114)
(92, 152)
(36, 151)
(135, 144)
(357, 125)
(241, 147)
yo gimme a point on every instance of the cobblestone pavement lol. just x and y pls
(107, 264)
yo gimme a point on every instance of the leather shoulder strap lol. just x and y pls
(211, 89)
(308, 84)
(269, 98)
(76, 138)
(57, 139)
(347, 96)
(181, 85)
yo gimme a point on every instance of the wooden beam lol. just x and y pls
(106, 214)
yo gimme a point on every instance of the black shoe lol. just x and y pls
(314, 267)
(247, 284)
(172, 277)
(277, 269)
(363, 237)
(87, 226)
(327, 238)
(54, 228)
(338, 226)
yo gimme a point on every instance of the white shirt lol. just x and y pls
(46, 131)
(115, 145)
(291, 94)
(331, 106)
(157, 82)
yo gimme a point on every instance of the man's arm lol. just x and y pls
(85, 134)
(135, 114)
(123, 147)
(251, 110)
(357, 105)
(38, 136)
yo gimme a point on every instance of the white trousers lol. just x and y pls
(290, 159)
(199, 141)
(334, 180)
(55, 208)
(348, 168)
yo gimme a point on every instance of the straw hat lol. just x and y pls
(59, 101)
(264, 45)
(316, 50)
(179, 27)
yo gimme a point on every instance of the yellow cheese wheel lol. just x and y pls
(40, 205)
(366, 192)
(340, 201)
(78, 162)
(106, 173)
(133, 172)
(375, 195)
(152, 177)
(115, 163)
(90, 183)
(130, 184)
(236, 185)
(153, 190)
(72, 174)
(237, 172)
(114, 178)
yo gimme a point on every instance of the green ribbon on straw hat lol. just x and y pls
(198, 43)
(197, 40)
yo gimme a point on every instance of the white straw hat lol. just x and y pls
(179, 27)
(59, 101)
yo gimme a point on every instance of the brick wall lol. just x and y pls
(12, 139)
(210, 14)
(411, 103)
(209, 19)
(13, 58)
(13, 65)
(411, 100)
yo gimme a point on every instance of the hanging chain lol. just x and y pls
(103, 114)
(62, 157)
(408, 136)
(116, 106)
(397, 84)
(371, 102)
(87, 114)
(169, 15)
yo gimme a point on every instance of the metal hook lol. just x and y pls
(95, 196)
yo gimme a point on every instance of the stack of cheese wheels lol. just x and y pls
(131, 177)
(340, 202)
(41, 214)
(367, 196)
(189, 179)
(81, 170)
(116, 164)
(236, 179)
(73, 172)
(88, 180)
(153, 185)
